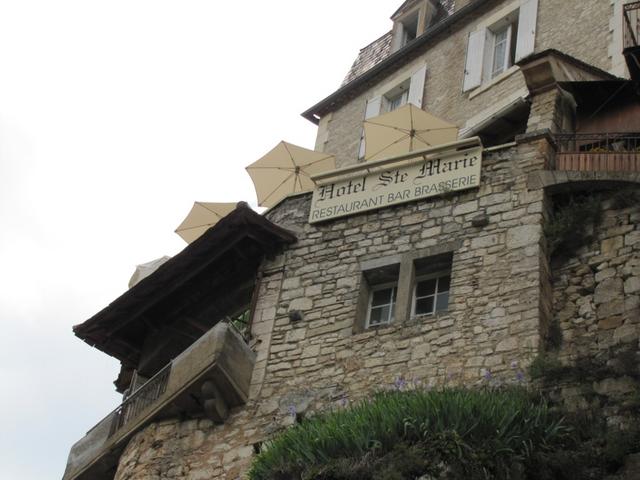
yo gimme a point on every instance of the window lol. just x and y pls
(407, 26)
(378, 294)
(502, 51)
(432, 284)
(396, 288)
(382, 304)
(410, 28)
(392, 96)
(496, 45)
(397, 97)
(431, 294)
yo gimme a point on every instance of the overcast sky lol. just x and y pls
(115, 116)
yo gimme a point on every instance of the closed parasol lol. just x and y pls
(403, 131)
(287, 169)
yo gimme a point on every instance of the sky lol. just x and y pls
(115, 116)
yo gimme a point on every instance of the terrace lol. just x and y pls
(209, 378)
(177, 328)
(594, 152)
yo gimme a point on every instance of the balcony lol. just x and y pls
(631, 38)
(594, 152)
(209, 378)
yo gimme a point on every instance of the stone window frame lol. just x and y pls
(405, 264)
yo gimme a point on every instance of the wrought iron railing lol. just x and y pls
(631, 13)
(140, 399)
(598, 152)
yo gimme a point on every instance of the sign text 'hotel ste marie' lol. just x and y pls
(415, 178)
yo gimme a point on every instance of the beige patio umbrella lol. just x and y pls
(287, 169)
(145, 269)
(405, 130)
(202, 217)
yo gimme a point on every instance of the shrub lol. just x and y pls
(458, 433)
(566, 229)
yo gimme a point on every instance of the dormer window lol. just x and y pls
(410, 27)
(409, 22)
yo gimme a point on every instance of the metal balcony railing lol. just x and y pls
(631, 13)
(598, 152)
(140, 399)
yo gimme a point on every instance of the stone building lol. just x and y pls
(457, 282)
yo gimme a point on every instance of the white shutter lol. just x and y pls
(373, 107)
(487, 60)
(526, 28)
(416, 88)
(473, 68)
(372, 110)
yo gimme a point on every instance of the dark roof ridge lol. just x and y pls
(436, 29)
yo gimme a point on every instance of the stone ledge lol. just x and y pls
(556, 180)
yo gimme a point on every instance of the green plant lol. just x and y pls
(471, 433)
(566, 229)
(546, 366)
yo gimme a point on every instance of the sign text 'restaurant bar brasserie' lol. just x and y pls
(415, 179)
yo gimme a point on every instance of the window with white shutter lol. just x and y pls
(493, 48)
(410, 90)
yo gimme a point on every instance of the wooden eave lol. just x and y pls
(242, 237)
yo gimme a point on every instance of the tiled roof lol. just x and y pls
(369, 56)
(380, 49)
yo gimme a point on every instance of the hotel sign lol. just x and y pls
(391, 183)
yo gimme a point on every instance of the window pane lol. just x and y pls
(380, 315)
(443, 283)
(424, 305)
(398, 101)
(381, 297)
(426, 287)
(499, 52)
(443, 301)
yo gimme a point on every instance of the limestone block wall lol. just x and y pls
(596, 296)
(492, 323)
(580, 28)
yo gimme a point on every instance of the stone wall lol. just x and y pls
(596, 295)
(490, 330)
(588, 39)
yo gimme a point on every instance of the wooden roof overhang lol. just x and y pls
(192, 291)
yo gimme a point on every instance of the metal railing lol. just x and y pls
(140, 399)
(631, 14)
(598, 152)
(598, 142)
